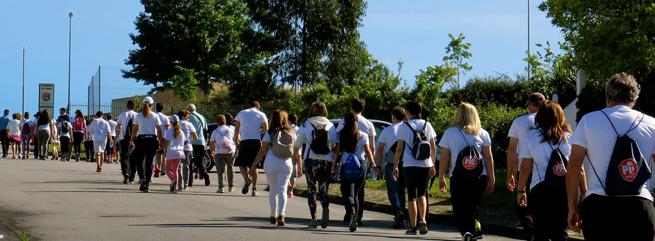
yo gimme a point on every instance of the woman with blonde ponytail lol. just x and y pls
(174, 142)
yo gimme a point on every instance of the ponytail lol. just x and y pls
(178, 130)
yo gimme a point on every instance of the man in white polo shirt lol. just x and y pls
(608, 212)
(519, 130)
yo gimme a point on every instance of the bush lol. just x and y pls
(497, 119)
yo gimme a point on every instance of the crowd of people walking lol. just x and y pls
(595, 178)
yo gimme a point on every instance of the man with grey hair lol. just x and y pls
(199, 145)
(618, 142)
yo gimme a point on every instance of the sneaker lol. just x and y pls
(273, 220)
(125, 179)
(220, 190)
(173, 187)
(280, 221)
(246, 186)
(325, 218)
(207, 181)
(142, 187)
(346, 218)
(255, 193)
(313, 224)
(230, 189)
(411, 231)
(423, 228)
(467, 237)
(398, 222)
(353, 223)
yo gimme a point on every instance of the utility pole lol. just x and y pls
(23, 102)
(70, 27)
(99, 85)
(529, 70)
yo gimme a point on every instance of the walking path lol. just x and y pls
(54, 200)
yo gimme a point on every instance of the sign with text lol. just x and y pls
(47, 97)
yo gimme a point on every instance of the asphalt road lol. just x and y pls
(69, 201)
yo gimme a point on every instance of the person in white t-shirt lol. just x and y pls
(418, 164)
(190, 134)
(161, 155)
(222, 149)
(278, 168)
(101, 134)
(174, 143)
(123, 130)
(384, 156)
(13, 133)
(110, 145)
(466, 147)
(617, 204)
(146, 138)
(353, 144)
(546, 153)
(318, 135)
(251, 124)
(517, 131)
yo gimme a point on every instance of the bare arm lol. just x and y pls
(378, 154)
(371, 145)
(573, 177)
(443, 165)
(237, 127)
(526, 168)
(260, 155)
(512, 163)
(399, 154)
(370, 156)
(491, 175)
(264, 128)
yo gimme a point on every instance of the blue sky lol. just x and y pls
(415, 32)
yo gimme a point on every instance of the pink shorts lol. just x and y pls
(14, 138)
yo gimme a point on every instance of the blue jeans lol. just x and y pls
(396, 188)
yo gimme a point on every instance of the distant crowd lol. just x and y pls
(596, 178)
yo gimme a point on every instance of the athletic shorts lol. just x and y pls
(99, 145)
(247, 152)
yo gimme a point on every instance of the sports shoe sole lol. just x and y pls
(246, 187)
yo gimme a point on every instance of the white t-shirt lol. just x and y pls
(14, 128)
(123, 119)
(540, 152)
(270, 157)
(519, 130)
(305, 137)
(99, 129)
(217, 136)
(175, 148)
(362, 140)
(364, 125)
(251, 120)
(187, 129)
(407, 135)
(454, 141)
(112, 127)
(61, 127)
(388, 137)
(147, 125)
(165, 122)
(595, 133)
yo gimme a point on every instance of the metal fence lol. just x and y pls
(89, 111)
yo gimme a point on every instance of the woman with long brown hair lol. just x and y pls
(146, 137)
(277, 145)
(546, 155)
(44, 134)
(353, 147)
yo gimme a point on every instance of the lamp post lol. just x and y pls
(70, 24)
(22, 110)
(529, 70)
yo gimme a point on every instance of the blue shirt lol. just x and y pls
(4, 121)
(61, 117)
(198, 122)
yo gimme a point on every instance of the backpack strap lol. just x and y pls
(463, 137)
(635, 123)
(413, 134)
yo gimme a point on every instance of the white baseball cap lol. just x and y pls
(174, 119)
(148, 100)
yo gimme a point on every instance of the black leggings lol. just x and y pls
(124, 158)
(465, 195)
(78, 137)
(550, 210)
(65, 146)
(352, 192)
(197, 161)
(145, 147)
(617, 218)
(417, 179)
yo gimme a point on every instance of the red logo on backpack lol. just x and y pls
(628, 169)
(559, 169)
(469, 163)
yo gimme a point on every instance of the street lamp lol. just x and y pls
(70, 24)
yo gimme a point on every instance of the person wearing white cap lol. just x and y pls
(174, 142)
(199, 145)
(145, 137)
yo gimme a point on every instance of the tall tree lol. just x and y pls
(311, 41)
(187, 44)
(457, 52)
(607, 37)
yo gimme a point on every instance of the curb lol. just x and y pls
(441, 219)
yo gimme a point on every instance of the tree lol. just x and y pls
(457, 52)
(608, 37)
(311, 41)
(187, 44)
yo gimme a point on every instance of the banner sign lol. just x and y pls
(47, 98)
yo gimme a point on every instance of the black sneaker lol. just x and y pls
(313, 224)
(353, 223)
(142, 187)
(423, 228)
(207, 181)
(125, 179)
(346, 218)
(325, 218)
(246, 186)
(411, 231)
(398, 222)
